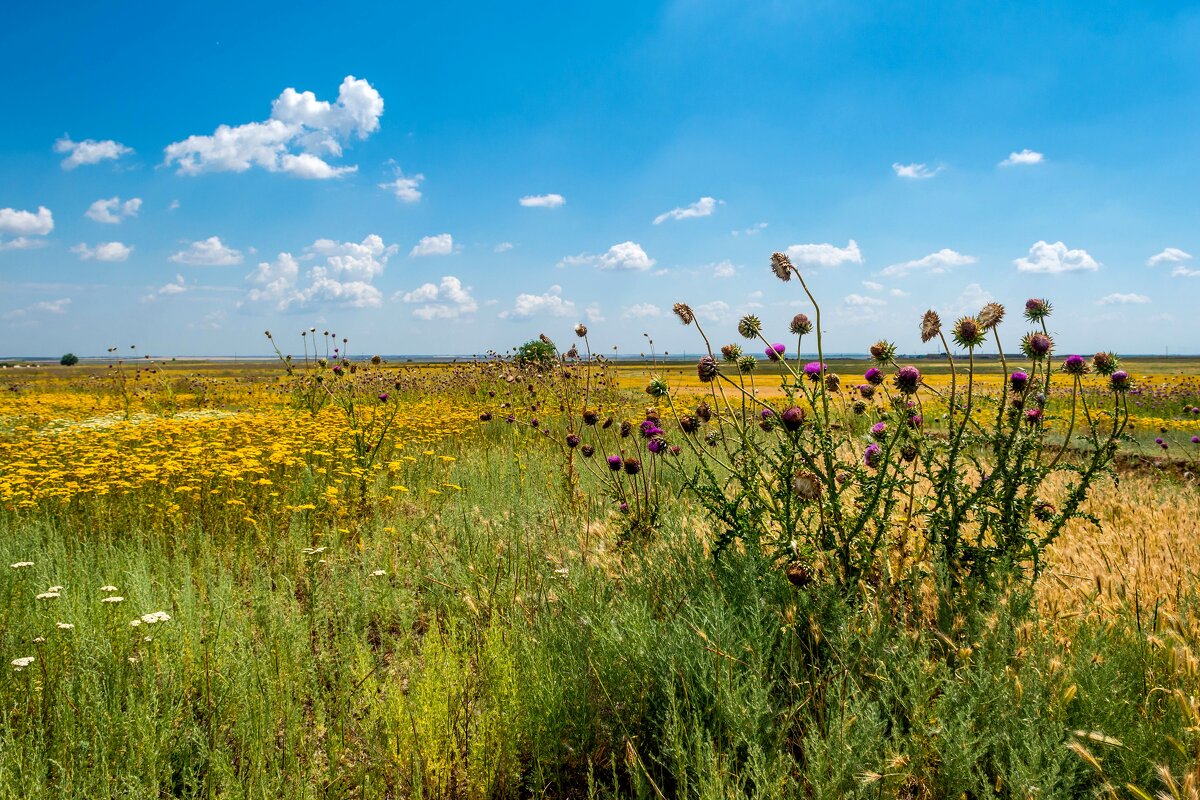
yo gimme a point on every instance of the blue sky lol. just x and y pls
(908, 155)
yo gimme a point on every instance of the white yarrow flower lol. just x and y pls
(113, 599)
(48, 595)
(21, 564)
(65, 626)
(21, 663)
(379, 573)
(156, 616)
(108, 588)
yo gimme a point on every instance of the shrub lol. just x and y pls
(69, 360)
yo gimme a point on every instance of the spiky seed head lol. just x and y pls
(833, 382)
(689, 424)
(806, 485)
(781, 265)
(704, 411)
(883, 351)
(1105, 363)
(931, 325)
(793, 418)
(1037, 309)
(749, 326)
(968, 333)
(685, 313)
(1037, 346)
(632, 466)
(801, 325)
(991, 315)
(746, 364)
(706, 368)
(657, 388)
(731, 353)
(590, 416)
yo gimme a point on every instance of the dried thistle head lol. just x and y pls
(931, 325)
(685, 313)
(706, 368)
(731, 353)
(883, 351)
(991, 315)
(806, 485)
(781, 265)
(581, 330)
(546, 339)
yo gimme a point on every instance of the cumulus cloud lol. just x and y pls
(724, 269)
(1024, 157)
(873, 286)
(862, 300)
(89, 151)
(341, 277)
(503, 247)
(716, 311)
(937, 263)
(21, 243)
(210, 252)
(44, 307)
(1184, 272)
(1117, 298)
(624, 256)
(642, 311)
(112, 210)
(104, 251)
(26, 223)
(1168, 256)
(704, 207)
(1055, 259)
(551, 303)
(447, 300)
(440, 245)
(542, 200)
(914, 171)
(301, 133)
(753, 230)
(406, 188)
(177, 286)
(825, 255)
(973, 298)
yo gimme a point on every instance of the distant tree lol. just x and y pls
(536, 350)
(69, 360)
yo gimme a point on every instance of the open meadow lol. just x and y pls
(556, 576)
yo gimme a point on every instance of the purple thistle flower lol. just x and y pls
(915, 421)
(614, 463)
(878, 430)
(793, 418)
(383, 396)
(1018, 380)
(908, 379)
(1033, 416)
(624, 507)
(572, 441)
(1196, 440)
(649, 429)
(775, 352)
(1075, 365)
(873, 376)
(676, 449)
(1158, 441)
(1119, 381)
(656, 446)
(872, 455)
(813, 370)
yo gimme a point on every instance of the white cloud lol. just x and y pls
(1117, 298)
(112, 210)
(623, 256)
(873, 286)
(898, 293)
(914, 171)
(704, 207)
(973, 298)
(716, 311)
(593, 313)
(440, 245)
(26, 223)
(934, 264)
(22, 243)
(1056, 258)
(1026, 156)
(724, 269)
(210, 252)
(825, 255)
(642, 311)
(447, 300)
(753, 230)
(89, 151)
(44, 307)
(1168, 256)
(104, 251)
(863, 300)
(1184, 272)
(406, 188)
(550, 303)
(342, 279)
(542, 200)
(503, 247)
(299, 122)
(177, 286)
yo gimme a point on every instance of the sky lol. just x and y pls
(457, 178)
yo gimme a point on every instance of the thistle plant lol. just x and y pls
(849, 484)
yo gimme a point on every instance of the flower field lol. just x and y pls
(497, 578)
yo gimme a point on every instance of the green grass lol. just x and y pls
(500, 658)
